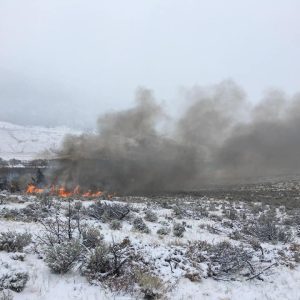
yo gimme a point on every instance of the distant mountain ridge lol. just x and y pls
(29, 142)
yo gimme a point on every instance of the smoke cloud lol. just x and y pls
(218, 138)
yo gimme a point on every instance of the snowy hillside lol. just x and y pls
(26, 143)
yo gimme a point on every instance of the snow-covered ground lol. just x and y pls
(25, 143)
(280, 282)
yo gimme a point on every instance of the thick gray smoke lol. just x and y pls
(219, 138)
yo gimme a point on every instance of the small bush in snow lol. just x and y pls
(46, 202)
(236, 235)
(115, 225)
(10, 214)
(165, 204)
(296, 257)
(11, 278)
(117, 266)
(178, 229)
(223, 259)
(96, 262)
(266, 229)
(6, 295)
(32, 213)
(18, 256)
(163, 231)
(12, 241)
(295, 248)
(231, 214)
(178, 212)
(60, 258)
(91, 237)
(139, 225)
(151, 286)
(151, 216)
(106, 212)
(106, 260)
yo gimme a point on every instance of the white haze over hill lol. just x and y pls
(26, 143)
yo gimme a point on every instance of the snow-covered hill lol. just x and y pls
(25, 143)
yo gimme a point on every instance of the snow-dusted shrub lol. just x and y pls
(32, 213)
(197, 250)
(140, 225)
(165, 204)
(91, 237)
(212, 229)
(212, 206)
(266, 229)
(284, 235)
(115, 225)
(60, 258)
(18, 256)
(178, 229)
(204, 213)
(106, 260)
(57, 230)
(150, 285)
(2, 198)
(256, 208)
(292, 218)
(6, 295)
(178, 212)
(11, 278)
(10, 214)
(46, 202)
(215, 217)
(193, 276)
(12, 241)
(151, 216)
(163, 230)
(223, 259)
(231, 214)
(235, 235)
(114, 266)
(97, 262)
(105, 212)
(296, 257)
(227, 224)
(228, 259)
(73, 210)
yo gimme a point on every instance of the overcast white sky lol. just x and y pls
(65, 61)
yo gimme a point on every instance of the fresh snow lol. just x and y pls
(281, 282)
(27, 142)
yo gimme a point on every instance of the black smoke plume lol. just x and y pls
(220, 137)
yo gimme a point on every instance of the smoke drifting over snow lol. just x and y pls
(218, 138)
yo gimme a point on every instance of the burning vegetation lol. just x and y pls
(62, 192)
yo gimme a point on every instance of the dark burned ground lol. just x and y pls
(283, 192)
(275, 191)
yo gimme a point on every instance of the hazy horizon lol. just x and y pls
(66, 62)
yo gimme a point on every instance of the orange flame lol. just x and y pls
(62, 191)
(32, 189)
(91, 194)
